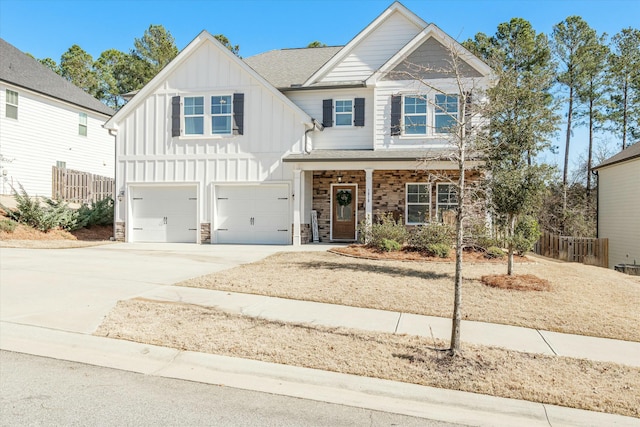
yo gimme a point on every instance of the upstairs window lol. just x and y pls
(82, 124)
(446, 199)
(445, 112)
(415, 115)
(344, 112)
(11, 110)
(418, 201)
(221, 112)
(194, 115)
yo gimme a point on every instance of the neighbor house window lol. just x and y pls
(344, 112)
(446, 199)
(221, 114)
(61, 165)
(445, 113)
(418, 201)
(415, 115)
(194, 115)
(82, 124)
(11, 109)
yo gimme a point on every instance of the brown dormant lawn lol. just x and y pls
(564, 381)
(582, 299)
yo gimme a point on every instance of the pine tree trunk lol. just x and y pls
(566, 157)
(590, 154)
(512, 230)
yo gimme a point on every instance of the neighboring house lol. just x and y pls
(47, 121)
(224, 150)
(619, 205)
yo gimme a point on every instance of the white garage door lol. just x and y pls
(253, 214)
(164, 214)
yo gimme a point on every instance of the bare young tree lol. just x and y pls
(465, 127)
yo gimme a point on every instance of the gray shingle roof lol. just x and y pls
(631, 152)
(285, 68)
(21, 70)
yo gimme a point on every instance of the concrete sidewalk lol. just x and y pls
(53, 300)
(509, 337)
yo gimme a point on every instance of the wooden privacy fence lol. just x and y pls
(587, 250)
(80, 187)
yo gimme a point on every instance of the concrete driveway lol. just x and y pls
(73, 289)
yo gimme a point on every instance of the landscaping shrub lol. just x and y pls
(434, 233)
(99, 213)
(527, 233)
(7, 225)
(390, 245)
(384, 229)
(494, 252)
(441, 250)
(480, 237)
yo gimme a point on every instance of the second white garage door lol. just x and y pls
(253, 214)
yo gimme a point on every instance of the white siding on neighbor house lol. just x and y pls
(337, 137)
(45, 132)
(619, 211)
(376, 49)
(383, 92)
(148, 153)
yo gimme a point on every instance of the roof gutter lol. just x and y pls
(347, 86)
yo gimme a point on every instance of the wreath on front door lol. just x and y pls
(343, 197)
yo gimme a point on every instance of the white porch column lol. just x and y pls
(297, 206)
(368, 206)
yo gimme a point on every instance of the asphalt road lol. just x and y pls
(41, 391)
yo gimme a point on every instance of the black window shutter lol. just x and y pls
(238, 113)
(175, 116)
(396, 113)
(327, 113)
(358, 116)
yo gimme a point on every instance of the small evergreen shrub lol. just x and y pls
(441, 250)
(527, 233)
(385, 228)
(479, 237)
(495, 252)
(390, 245)
(7, 225)
(99, 213)
(430, 234)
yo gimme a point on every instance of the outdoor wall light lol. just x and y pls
(121, 195)
(339, 178)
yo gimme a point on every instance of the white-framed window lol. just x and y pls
(82, 124)
(414, 115)
(417, 203)
(445, 113)
(11, 107)
(344, 112)
(61, 165)
(194, 115)
(446, 198)
(221, 115)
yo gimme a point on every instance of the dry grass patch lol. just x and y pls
(577, 291)
(523, 282)
(583, 384)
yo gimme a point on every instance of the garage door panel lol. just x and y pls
(164, 214)
(256, 214)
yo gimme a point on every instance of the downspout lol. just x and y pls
(314, 125)
(114, 134)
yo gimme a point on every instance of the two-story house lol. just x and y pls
(224, 150)
(47, 121)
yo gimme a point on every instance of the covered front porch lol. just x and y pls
(345, 188)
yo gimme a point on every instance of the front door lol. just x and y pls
(343, 217)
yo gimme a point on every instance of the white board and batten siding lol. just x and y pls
(619, 211)
(373, 51)
(337, 137)
(147, 153)
(46, 132)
